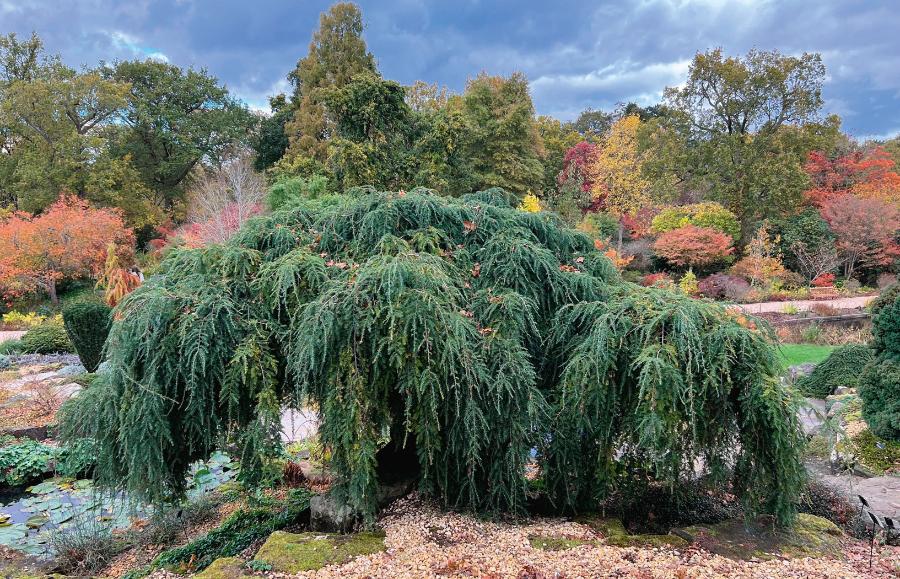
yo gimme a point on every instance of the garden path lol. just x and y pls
(804, 305)
(882, 492)
(10, 335)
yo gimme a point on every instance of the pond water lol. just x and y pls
(27, 518)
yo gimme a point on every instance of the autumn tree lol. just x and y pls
(573, 194)
(53, 125)
(424, 97)
(558, 138)
(617, 172)
(223, 198)
(746, 124)
(692, 246)
(67, 241)
(761, 264)
(337, 52)
(868, 172)
(864, 230)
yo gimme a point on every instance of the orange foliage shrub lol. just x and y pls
(694, 246)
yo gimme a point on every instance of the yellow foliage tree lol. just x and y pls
(617, 171)
(761, 264)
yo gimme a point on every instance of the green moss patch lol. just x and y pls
(551, 543)
(296, 552)
(880, 456)
(224, 568)
(615, 534)
(811, 536)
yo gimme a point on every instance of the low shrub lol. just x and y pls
(879, 389)
(11, 347)
(823, 280)
(688, 284)
(240, 530)
(706, 214)
(851, 285)
(85, 546)
(47, 338)
(171, 524)
(821, 500)
(656, 508)
(661, 279)
(77, 459)
(26, 461)
(886, 323)
(693, 246)
(823, 335)
(87, 324)
(841, 368)
(886, 280)
(824, 310)
(723, 286)
(19, 321)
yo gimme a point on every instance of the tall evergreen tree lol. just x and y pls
(270, 141)
(337, 52)
(505, 146)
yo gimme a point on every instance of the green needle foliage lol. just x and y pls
(461, 332)
(87, 324)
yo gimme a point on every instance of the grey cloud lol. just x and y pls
(578, 54)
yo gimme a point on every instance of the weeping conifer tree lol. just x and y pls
(457, 334)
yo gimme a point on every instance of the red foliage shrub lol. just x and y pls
(694, 246)
(660, 279)
(823, 280)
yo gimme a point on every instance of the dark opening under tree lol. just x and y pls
(458, 333)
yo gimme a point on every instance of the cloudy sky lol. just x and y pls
(576, 54)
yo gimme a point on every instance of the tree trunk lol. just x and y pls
(51, 289)
(619, 241)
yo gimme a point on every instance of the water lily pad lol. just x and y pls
(37, 521)
(12, 534)
(45, 487)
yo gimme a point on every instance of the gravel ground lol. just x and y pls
(425, 542)
(36, 359)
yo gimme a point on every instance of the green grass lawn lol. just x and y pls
(794, 354)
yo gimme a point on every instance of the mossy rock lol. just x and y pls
(224, 568)
(615, 534)
(877, 455)
(551, 543)
(811, 536)
(296, 552)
